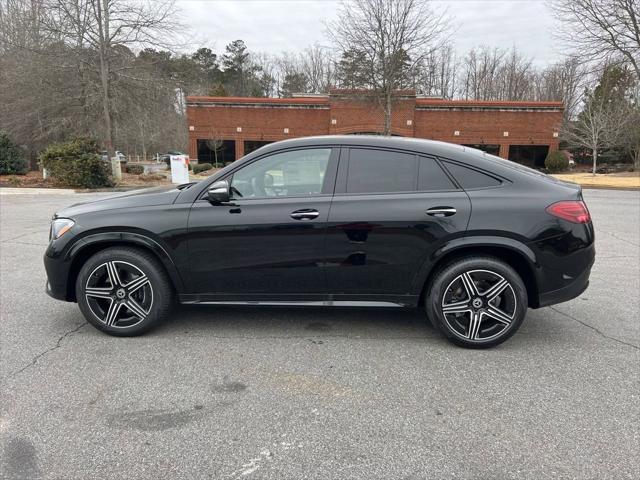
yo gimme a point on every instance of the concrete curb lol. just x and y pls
(36, 191)
(598, 187)
(63, 191)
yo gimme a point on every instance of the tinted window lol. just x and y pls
(379, 171)
(469, 178)
(297, 173)
(432, 177)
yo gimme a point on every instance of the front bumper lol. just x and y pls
(57, 274)
(57, 293)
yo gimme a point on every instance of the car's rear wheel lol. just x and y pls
(124, 291)
(477, 302)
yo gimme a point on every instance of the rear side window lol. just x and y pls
(432, 177)
(380, 171)
(470, 178)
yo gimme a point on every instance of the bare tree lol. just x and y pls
(215, 145)
(515, 77)
(391, 37)
(266, 67)
(563, 81)
(317, 65)
(480, 70)
(594, 127)
(39, 98)
(436, 74)
(105, 32)
(601, 30)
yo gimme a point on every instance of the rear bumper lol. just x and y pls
(568, 292)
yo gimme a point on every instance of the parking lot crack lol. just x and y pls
(617, 237)
(599, 332)
(17, 242)
(48, 350)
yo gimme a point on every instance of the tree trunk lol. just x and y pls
(143, 142)
(106, 110)
(595, 160)
(387, 112)
(104, 77)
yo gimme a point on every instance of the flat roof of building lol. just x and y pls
(326, 100)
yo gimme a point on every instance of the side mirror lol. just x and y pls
(219, 192)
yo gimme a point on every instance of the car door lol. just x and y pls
(268, 240)
(391, 210)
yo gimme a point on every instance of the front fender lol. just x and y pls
(127, 238)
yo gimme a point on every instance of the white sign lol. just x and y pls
(179, 168)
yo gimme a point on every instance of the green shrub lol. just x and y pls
(73, 148)
(201, 167)
(556, 162)
(77, 164)
(135, 169)
(12, 162)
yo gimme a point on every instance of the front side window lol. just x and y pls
(297, 173)
(380, 171)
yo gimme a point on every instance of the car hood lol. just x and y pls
(137, 198)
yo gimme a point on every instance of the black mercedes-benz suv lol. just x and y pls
(339, 220)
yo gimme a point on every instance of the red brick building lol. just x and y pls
(226, 128)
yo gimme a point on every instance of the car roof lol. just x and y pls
(451, 151)
(448, 151)
(432, 147)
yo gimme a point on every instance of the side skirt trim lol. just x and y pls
(393, 301)
(310, 303)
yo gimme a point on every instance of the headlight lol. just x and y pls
(59, 227)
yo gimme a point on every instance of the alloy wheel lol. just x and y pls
(119, 294)
(479, 305)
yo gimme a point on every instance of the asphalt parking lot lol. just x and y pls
(277, 393)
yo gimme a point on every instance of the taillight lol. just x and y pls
(571, 210)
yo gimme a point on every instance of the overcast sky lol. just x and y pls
(274, 26)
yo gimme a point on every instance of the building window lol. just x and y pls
(216, 152)
(251, 145)
(491, 149)
(529, 155)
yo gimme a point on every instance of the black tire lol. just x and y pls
(477, 320)
(152, 298)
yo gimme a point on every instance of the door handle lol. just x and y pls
(305, 214)
(441, 211)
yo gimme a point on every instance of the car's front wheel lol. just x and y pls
(124, 291)
(477, 302)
